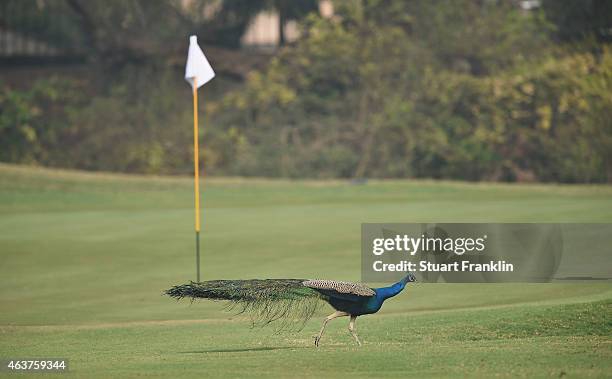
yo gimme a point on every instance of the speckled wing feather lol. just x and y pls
(340, 287)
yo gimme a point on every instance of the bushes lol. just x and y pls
(459, 90)
(32, 121)
(359, 98)
(142, 124)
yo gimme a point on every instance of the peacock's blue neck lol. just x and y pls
(382, 294)
(387, 292)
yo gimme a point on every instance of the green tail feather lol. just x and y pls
(283, 300)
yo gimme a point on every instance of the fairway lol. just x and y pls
(84, 259)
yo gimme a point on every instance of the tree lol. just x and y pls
(576, 20)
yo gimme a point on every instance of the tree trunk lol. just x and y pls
(368, 137)
(282, 19)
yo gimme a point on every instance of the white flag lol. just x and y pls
(197, 65)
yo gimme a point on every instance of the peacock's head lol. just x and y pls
(409, 278)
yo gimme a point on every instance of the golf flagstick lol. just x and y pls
(196, 174)
(197, 72)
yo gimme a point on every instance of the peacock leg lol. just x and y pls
(328, 319)
(352, 329)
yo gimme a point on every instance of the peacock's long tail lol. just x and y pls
(268, 300)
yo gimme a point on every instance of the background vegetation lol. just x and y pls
(471, 90)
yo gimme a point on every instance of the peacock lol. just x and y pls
(268, 300)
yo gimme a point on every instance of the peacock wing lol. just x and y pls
(340, 290)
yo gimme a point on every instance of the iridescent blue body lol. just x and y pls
(360, 305)
(357, 303)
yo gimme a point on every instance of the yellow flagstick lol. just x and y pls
(197, 70)
(196, 158)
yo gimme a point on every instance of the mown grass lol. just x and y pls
(537, 341)
(85, 257)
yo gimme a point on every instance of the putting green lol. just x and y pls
(84, 259)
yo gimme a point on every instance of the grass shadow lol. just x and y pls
(242, 350)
